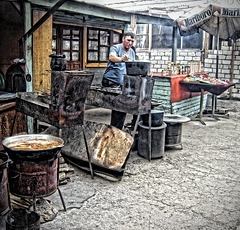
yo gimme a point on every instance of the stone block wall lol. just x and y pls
(225, 61)
(160, 57)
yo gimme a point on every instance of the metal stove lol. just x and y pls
(71, 90)
(63, 108)
(174, 129)
(134, 97)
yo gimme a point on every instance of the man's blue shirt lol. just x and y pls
(115, 71)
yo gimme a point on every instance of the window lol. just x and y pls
(68, 41)
(142, 36)
(162, 38)
(99, 43)
(192, 42)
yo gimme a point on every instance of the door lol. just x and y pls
(68, 40)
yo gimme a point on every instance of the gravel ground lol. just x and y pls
(197, 187)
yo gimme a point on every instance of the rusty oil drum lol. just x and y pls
(28, 178)
(4, 185)
(33, 172)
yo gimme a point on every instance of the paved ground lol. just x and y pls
(197, 187)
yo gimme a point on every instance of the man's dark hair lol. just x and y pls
(131, 34)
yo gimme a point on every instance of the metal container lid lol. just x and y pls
(173, 118)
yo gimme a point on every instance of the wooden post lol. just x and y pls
(28, 56)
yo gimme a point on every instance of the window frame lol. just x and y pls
(147, 34)
(150, 41)
(59, 38)
(84, 42)
(108, 46)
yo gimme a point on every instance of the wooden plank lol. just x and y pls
(28, 44)
(85, 20)
(85, 47)
(42, 48)
(42, 20)
(162, 92)
(188, 107)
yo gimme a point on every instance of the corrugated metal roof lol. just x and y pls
(149, 6)
(161, 7)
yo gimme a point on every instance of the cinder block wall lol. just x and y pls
(225, 60)
(160, 57)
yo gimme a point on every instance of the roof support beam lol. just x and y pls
(104, 12)
(42, 20)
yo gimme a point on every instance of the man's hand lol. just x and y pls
(113, 58)
(124, 58)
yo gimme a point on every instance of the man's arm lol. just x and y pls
(113, 58)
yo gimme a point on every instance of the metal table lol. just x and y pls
(214, 89)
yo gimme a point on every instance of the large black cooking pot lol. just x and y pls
(58, 62)
(137, 67)
(15, 79)
(32, 155)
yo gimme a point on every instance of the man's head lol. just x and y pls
(128, 40)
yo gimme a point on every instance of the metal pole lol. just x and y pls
(214, 97)
(88, 154)
(232, 68)
(174, 44)
(150, 136)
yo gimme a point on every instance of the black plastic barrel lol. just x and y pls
(157, 141)
(156, 118)
(20, 219)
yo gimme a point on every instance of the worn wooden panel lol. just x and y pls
(162, 92)
(42, 48)
(188, 107)
(7, 114)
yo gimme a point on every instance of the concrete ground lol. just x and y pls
(197, 187)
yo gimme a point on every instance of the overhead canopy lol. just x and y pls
(221, 20)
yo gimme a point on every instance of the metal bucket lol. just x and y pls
(58, 62)
(4, 187)
(174, 129)
(173, 134)
(19, 219)
(157, 141)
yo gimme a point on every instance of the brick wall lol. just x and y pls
(224, 67)
(160, 57)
